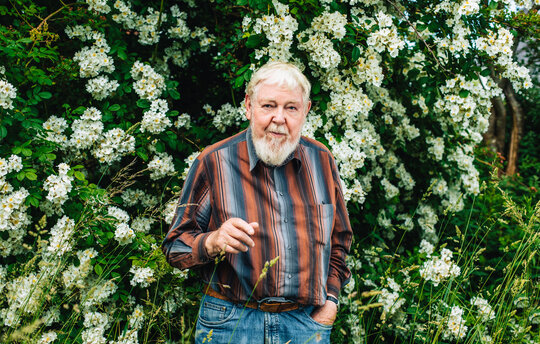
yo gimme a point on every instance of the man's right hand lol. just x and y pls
(233, 236)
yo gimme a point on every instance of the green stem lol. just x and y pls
(154, 55)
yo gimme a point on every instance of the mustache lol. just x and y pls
(281, 129)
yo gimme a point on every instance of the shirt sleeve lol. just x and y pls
(184, 244)
(339, 274)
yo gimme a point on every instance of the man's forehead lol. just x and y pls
(270, 92)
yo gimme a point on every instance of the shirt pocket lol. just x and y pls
(322, 222)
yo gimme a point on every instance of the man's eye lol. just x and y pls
(267, 106)
(292, 108)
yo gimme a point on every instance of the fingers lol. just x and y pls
(233, 235)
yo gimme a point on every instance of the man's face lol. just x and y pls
(276, 117)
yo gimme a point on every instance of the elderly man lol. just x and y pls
(269, 200)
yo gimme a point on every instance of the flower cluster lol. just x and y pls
(54, 130)
(94, 59)
(440, 268)
(86, 130)
(390, 299)
(317, 39)
(100, 6)
(161, 166)
(146, 26)
(279, 30)
(132, 197)
(101, 87)
(148, 83)
(58, 186)
(13, 211)
(226, 116)
(61, 241)
(74, 276)
(141, 276)
(155, 120)
(386, 37)
(7, 93)
(485, 311)
(454, 324)
(113, 145)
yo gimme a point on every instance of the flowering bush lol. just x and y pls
(104, 105)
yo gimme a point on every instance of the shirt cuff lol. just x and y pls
(198, 249)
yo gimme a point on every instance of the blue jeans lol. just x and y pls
(224, 322)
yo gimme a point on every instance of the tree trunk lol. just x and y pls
(494, 138)
(517, 128)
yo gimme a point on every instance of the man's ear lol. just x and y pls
(308, 107)
(247, 102)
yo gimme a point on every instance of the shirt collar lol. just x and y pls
(254, 159)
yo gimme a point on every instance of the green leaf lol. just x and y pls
(485, 72)
(254, 41)
(30, 175)
(114, 107)
(160, 147)
(242, 70)
(421, 27)
(142, 154)
(355, 54)
(98, 269)
(316, 87)
(79, 110)
(20, 175)
(79, 175)
(239, 82)
(464, 93)
(45, 95)
(26, 152)
(3, 132)
(143, 103)
(174, 94)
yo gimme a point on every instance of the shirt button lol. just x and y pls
(289, 247)
(285, 220)
(290, 276)
(281, 193)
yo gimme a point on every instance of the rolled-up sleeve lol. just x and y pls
(184, 244)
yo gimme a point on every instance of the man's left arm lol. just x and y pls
(338, 273)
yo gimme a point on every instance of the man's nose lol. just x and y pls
(279, 116)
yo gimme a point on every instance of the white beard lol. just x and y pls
(272, 150)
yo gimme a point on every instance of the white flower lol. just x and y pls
(119, 214)
(58, 186)
(440, 268)
(455, 323)
(484, 309)
(123, 234)
(7, 93)
(148, 84)
(426, 247)
(113, 145)
(136, 319)
(141, 276)
(98, 6)
(47, 337)
(60, 241)
(142, 224)
(101, 87)
(161, 166)
(155, 120)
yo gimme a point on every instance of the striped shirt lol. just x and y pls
(301, 214)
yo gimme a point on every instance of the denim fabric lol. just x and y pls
(231, 323)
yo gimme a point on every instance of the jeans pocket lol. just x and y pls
(215, 312)
(307, 312)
